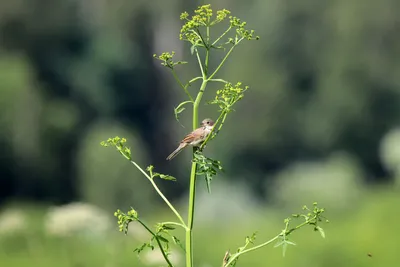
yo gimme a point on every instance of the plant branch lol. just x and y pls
(224, 59)
(155, 187)
(251, 249)
(193, 80)
(222, 115)
(200, 64)
(175, 223)
(217, 80)
(180, 83)
(222, 35)
(192, 187)
(158, 242)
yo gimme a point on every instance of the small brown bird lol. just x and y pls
(195, 138)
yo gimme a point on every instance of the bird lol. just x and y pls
(194, 138)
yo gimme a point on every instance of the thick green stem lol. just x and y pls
(192, 188)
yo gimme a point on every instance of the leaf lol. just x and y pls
(141, 248)
(208, 183)
(178, 242)
(167, 177)
(163, 239)
(321, 231)
(167, 227)
(279, 243)
(284, 247)
(180, 108)
(290, 243)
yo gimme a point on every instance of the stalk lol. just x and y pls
(192, 187)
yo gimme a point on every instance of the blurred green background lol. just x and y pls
(320, 123)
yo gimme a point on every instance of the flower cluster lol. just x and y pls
(190, 31)
(167, 61)
(119, 144)
(12, 221)
(124, 219)
(229, 95)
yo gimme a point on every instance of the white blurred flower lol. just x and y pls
(228, 202)
(12, 221)
(75, 218)
(335, 181)
(390, 150)
(155, 257)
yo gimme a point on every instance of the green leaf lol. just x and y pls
(290, 243)
(284, 247)
(167, 177)
(180, 108)
(167, 227)
(163, 239)
(321, 231)
(279, 243)
(178, 242)
(208, 183)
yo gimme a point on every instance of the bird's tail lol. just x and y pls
(177, 151)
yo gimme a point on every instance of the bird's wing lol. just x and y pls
(195, 135)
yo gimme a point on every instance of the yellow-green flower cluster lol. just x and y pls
(119, 144)
(125, 219)
(166, 59)
(190, 30)
(229, 95)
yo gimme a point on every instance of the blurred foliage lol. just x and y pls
(323, 80)
(354, 238)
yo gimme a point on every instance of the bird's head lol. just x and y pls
(207, 122)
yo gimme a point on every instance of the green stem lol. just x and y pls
(192, 187)
(181, 84)
(217, 80)
(175, 223)
(284, 233)
(207, 51)
(200, 64)
(158, 242)
(156, 188)
(194, 79)
(251, 249)
(224, 59)
(222, 115)
(222, 35)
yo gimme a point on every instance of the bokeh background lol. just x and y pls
(320, 123)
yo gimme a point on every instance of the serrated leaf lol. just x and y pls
(321, 231)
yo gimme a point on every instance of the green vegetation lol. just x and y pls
(353, 235)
